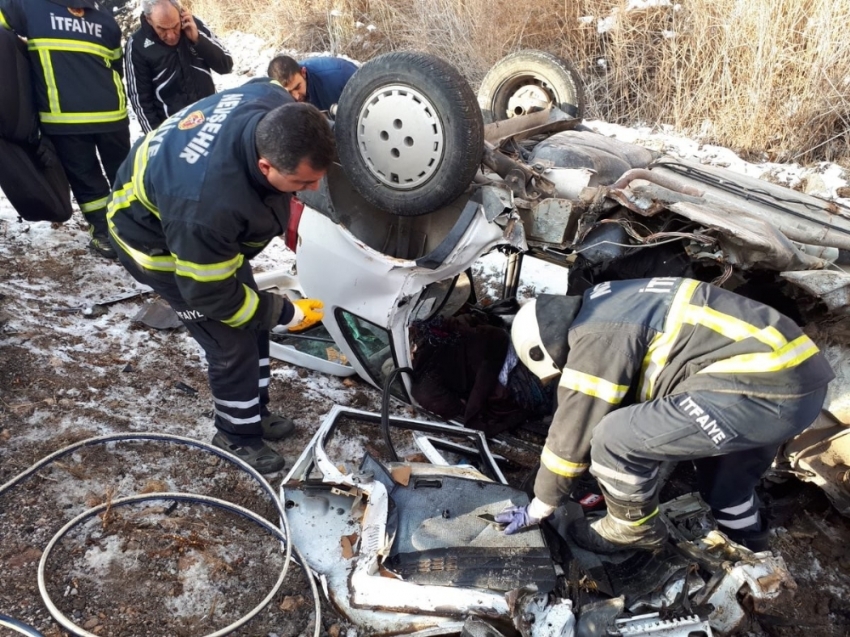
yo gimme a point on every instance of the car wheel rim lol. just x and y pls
(400, 136)
(524, 95)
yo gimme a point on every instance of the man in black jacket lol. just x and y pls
(168, 62)
(75, 60)
(198, 198)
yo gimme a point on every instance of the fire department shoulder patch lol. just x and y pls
(193, 119)
(77, 13)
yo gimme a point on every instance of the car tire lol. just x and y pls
(523, 81)
(35, 192)
(17, 115)
(409, 133)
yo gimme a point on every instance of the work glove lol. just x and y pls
(307, 313)
(518, 518)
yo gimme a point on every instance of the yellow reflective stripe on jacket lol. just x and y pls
(140, 165)
(3, 22)
(91, 206)
(73, 46)
(659, 349)
(82, 118)
(44, 47)
(247, 311)
(732, 327)
(562, 467)
(785, 357)
(593, 386)
(206, 272)
(122, 199)
(50, 81)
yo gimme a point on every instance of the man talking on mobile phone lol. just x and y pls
(168, 62)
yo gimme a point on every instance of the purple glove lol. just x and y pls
(517, 518)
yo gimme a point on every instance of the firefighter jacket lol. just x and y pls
(75, 52)
(326, 78)
(638, 340)
(190, 202)
(162, 79)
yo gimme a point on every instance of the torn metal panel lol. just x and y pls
(821, 455)
(535, 616)
(550, 120)
(404, 554)
(314, 454)
(551, 221)
(831, 286)
(798, 216)
(757, 584)
(745, 238)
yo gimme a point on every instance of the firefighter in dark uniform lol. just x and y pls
(75, 55)
(195, 200)
(664, 369)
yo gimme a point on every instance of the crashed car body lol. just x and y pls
(369, 244)
(391, 236)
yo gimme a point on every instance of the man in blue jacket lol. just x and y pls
(195, 200)
(318, 81)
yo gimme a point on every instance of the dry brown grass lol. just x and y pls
(765, 76)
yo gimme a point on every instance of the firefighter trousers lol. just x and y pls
(237, 359)
(78, 155)
(732, 439)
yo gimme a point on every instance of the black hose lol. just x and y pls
(385, 409)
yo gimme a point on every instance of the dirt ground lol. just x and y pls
(147, 570)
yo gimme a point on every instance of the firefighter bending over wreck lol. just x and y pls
(664, 369)
(195, 200)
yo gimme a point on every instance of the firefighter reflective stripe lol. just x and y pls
(237, 421)
(732, 327)
(636, 522)
(593, 386)
(74, 46)
(3, 22)
(786, 357)
(83, 118)
(92, 206)
(625, 478)
(247, 311)
(264, 372)
(237, 404)
(50, 81)
(44, 47)
(122, 199)
(210, 272)
(738, 509)
(140, 164)
(561, 467)
(255, 244)
(740, 523)
(659, 349)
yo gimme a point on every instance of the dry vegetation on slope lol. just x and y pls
(767, 76)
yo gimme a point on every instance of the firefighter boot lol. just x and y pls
(625, 527)
(251, 450)
(99, 242)
(276, 427)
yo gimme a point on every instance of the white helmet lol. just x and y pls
(544, 357)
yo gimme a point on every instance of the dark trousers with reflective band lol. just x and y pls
(237, 359)
(731, 437)
(78, 155)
